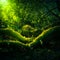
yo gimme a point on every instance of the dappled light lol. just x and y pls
(30, 29)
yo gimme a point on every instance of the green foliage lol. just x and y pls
(34, 19)
(34, 13)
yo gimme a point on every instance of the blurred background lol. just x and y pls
(30, 18)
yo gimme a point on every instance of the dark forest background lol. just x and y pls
(33, 16)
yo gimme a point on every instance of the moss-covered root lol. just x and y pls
(21, 40)
(13, 42)
(14, 34)
(48, 33)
